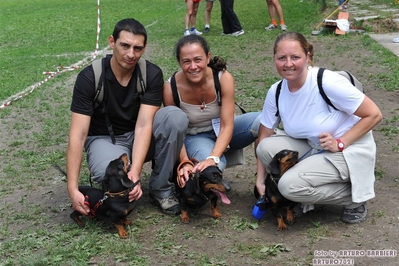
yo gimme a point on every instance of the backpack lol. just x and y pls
(355, 82)
(99, 70)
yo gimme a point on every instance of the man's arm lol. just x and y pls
(77, 137)
(141, 144)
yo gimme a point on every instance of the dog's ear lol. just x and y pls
(212, 173)
(105, 183)
(195, 178)
(274, 167)
(126, 182)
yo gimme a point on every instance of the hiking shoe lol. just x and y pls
(283, 27)
(195, 32)
(271, 27)
(238, 33)
(169, 205)
(186, 32)
(206, 30)
(356, 215)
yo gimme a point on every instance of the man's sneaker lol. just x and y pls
(346, 6)
(169, 205)
(356, 215)
(238, 33)
(186, 32)
(283, 27)
(225, 34)
(195, 32)
(271, 27)
(206, 30)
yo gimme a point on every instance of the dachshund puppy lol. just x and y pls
(113, 200)
(280, 163)
(201, 187)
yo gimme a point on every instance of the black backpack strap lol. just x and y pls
(174, 90)
(320, 85)
(217, 86)
(278, 90)
(99, 97)
(218, 89)
(351, 78)
(109, 125)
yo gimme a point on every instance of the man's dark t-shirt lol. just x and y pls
(120, 101)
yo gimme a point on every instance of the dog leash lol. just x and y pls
(311, 148)
(107, 195)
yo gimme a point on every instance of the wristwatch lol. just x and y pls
(214, 158)
(340, 144)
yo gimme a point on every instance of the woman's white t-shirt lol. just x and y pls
(305, 114)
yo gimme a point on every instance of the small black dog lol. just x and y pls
(113, 200)
(280, 163)
(202, 187)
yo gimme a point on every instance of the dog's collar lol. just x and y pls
(121, 194)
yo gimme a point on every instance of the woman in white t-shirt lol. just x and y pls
(336, 147)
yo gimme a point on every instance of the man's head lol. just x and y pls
(130, 25)
(128, 43)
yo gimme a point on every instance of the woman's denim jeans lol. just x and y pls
(246, 127)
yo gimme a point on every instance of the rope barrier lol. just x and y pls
(60, 69)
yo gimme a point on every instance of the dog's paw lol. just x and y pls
(216, 214)
(77, 219)
(281, 225)
(290, 217)
(184, 217)
(121, 231)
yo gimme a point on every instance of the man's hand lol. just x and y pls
(78, 202)
(136, 192)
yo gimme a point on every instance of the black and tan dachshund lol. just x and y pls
(279, 205)
(113, 200)
(200, 188)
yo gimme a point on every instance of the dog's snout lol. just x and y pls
(226, 186)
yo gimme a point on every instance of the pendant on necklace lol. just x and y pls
(203, 106)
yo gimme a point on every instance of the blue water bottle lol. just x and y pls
(260, 208)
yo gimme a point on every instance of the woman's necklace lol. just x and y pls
(203, 105)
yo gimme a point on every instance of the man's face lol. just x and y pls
(127, 49)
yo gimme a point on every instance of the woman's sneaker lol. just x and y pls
(195, 32)
(356, 215)
(283, 27)
(238, 33)
(271, 27)
(169, 205)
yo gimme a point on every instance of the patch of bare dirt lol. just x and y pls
(381, 25)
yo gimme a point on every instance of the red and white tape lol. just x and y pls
(60, 69)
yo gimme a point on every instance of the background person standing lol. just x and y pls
(231, 24)
(191, 17)
(274, 8)
(207, 15)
